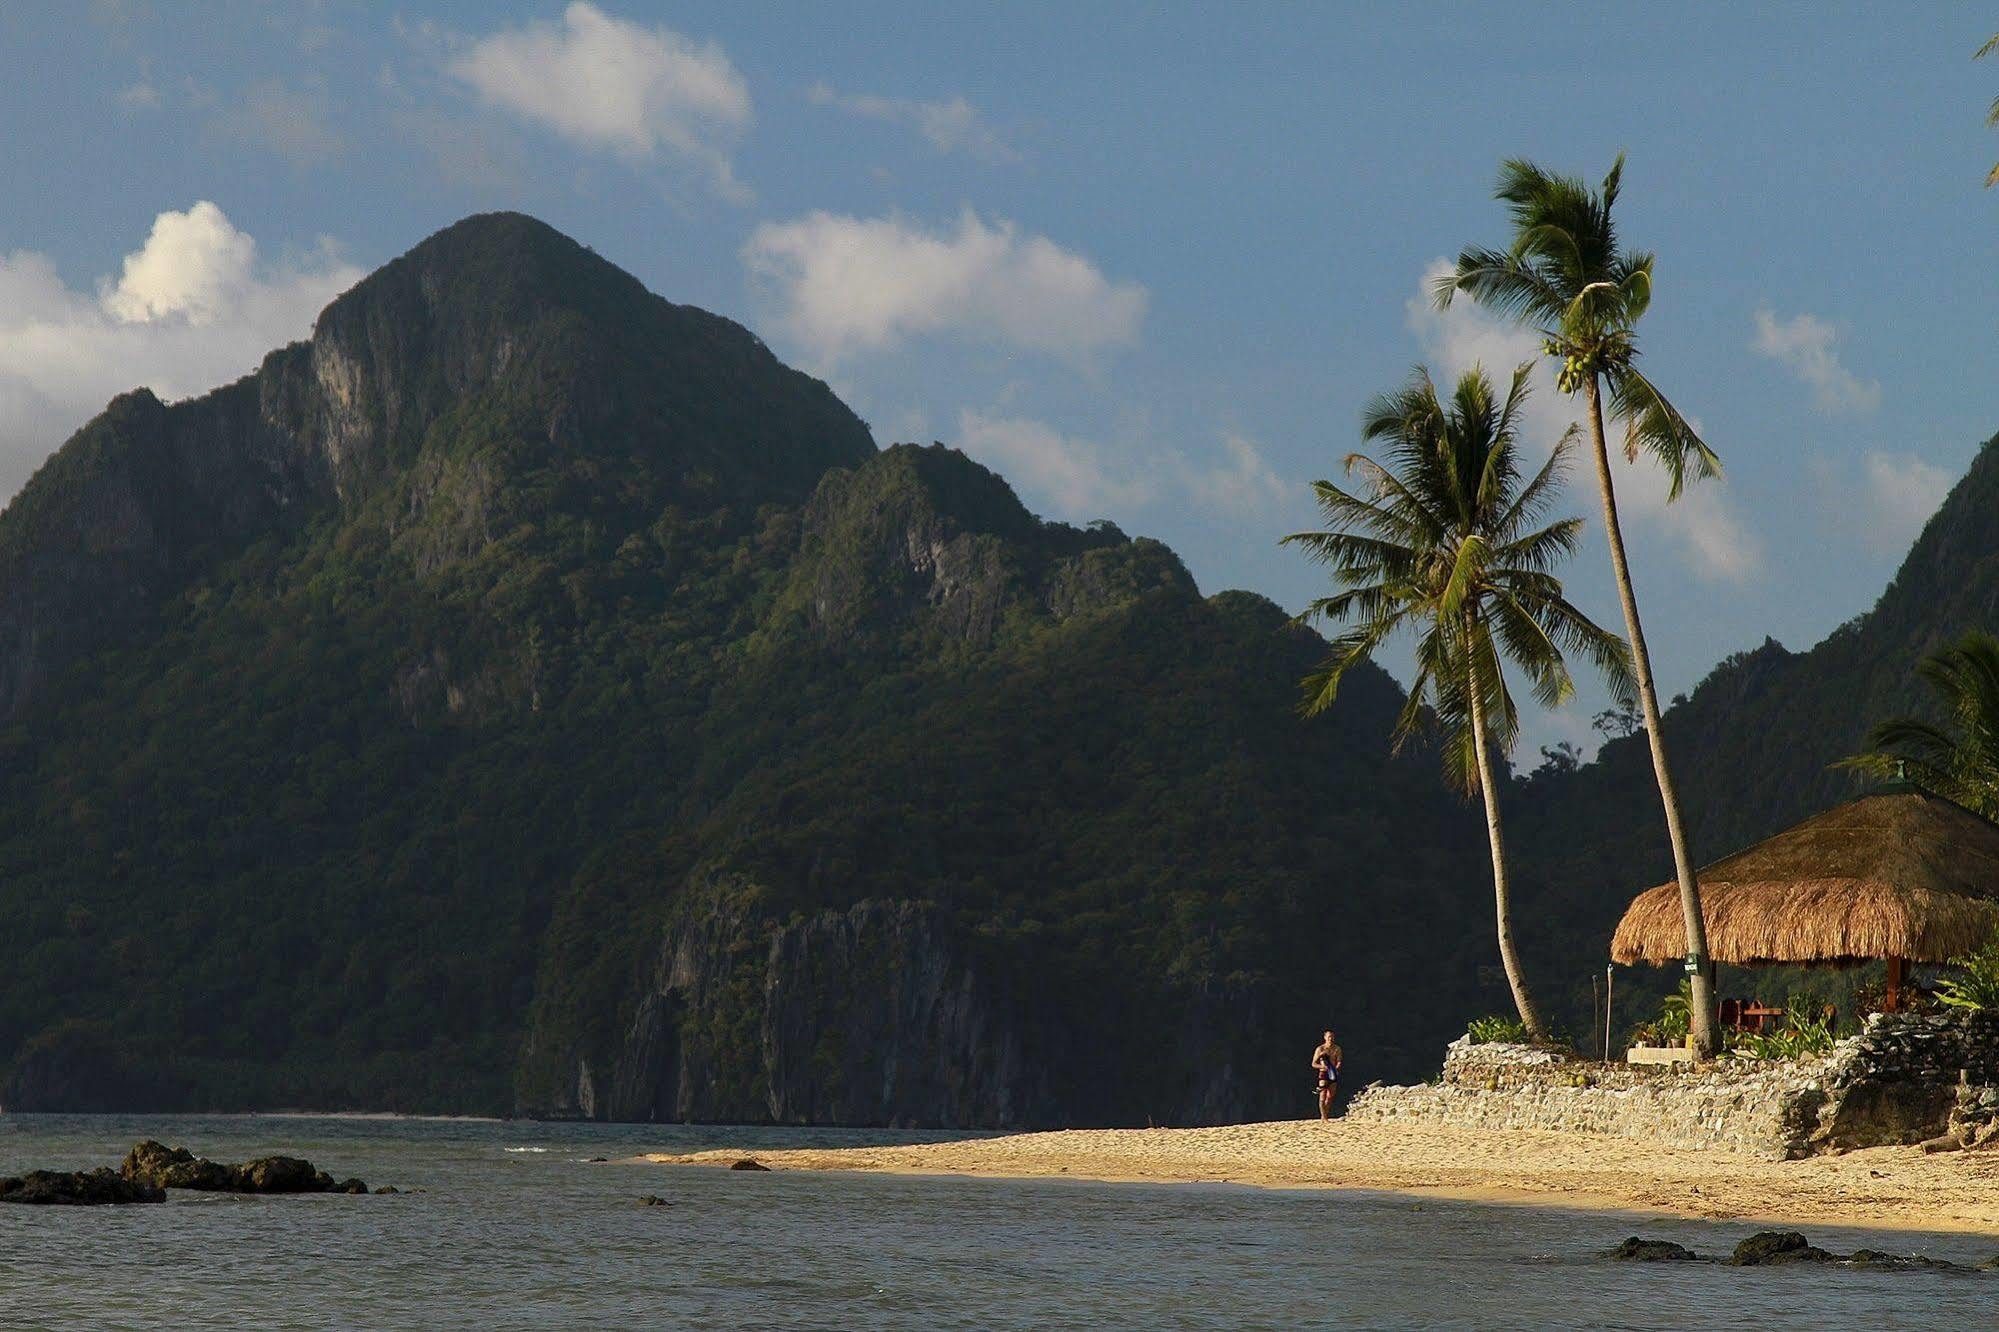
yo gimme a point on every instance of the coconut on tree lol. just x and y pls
(1444, 540)
(1564, 274)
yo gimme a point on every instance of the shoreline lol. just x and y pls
(1879, 1188)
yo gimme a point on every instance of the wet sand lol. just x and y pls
(1889, 1187)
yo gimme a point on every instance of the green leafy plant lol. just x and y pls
(1676, 1014)
(1799, 1036)
(1494, 1030)
(1976, 986)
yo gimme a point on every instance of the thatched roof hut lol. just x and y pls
(1899, 874)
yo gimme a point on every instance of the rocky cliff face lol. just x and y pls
(870, 1015)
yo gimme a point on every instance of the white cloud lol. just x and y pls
(848, 284)
(1245, 486)
(1081, 479)
(1701, 525)
(191, 308)
(953, 126)
(1887, 499)
(1077, 478)
(193, 265)
(140, 96)
(1804, 344)
(611, 84)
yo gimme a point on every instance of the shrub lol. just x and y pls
(1494, 1030)
(1676, 1014)
(1799, 1036)
(1977, 984)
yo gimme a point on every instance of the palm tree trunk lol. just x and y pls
(1700, 969)
(1502, 892)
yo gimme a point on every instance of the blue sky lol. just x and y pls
(1146, 261)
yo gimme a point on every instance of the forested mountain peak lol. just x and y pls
(497, 378)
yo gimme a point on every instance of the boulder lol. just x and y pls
(1650, 1251)
(167, 1167)
(282, 1174)
(749, 1163)
(653, 1200)
(1769, 1247)
(78, 1187)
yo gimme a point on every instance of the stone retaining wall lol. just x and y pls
(1896, 1082)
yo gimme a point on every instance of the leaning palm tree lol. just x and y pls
(1961, 761)
(1445, 540)
(1564, 274)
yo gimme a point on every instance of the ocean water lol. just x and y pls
(517, 1229)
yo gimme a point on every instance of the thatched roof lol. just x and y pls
(1899, 873)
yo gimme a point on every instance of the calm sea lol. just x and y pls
(516, 1228)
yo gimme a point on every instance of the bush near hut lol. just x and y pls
(1495, 1030)
(1977, 984)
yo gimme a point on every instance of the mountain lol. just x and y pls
(529, 695)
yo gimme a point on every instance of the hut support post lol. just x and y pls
(1898, 976)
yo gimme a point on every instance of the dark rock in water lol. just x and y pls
(1875, 1260)
(653, 1200)
(1651, 1251)
(1769, 1247)
(749, 1163)
(78, 1187)
(282, 1174)
(597, 1160)
(390, 1188)
(167, 1167)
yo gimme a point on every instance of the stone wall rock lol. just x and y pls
(1899, 1081)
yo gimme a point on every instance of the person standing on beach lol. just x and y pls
(1326, 1064)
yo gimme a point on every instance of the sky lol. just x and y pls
(1146, 261)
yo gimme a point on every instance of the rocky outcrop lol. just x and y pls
(101, 1186)
(155, 1165)
(874, 1015)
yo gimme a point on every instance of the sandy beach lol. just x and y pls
(1889, 1187)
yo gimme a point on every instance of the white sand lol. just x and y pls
(1890, 1187)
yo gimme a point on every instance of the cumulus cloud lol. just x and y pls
(1804, 345)
(190, 308)
(850, 284)
(953, 126)
(140, 96)
(193, 265)
(1701, 525)
(619, 86)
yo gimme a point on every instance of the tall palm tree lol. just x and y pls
(1445, 540)
(1961, 762)
(1564, 274)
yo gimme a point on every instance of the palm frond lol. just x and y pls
(1653, 425)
